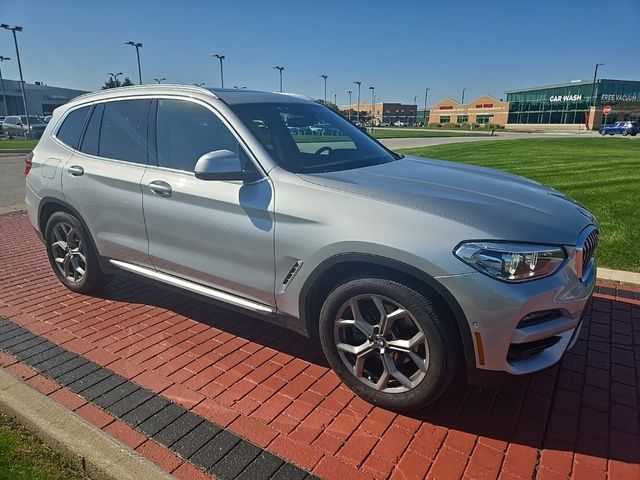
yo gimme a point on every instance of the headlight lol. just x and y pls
(512, 262)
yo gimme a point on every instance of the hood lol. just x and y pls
(504, 205)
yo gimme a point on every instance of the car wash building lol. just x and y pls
(573, 106)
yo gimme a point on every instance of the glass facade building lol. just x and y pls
(570, 103)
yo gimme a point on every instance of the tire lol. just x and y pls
(71, 254)
(379, 372)
(625, 133)
(603, 133)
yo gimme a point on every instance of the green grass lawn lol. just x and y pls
(601, 173)
(17, 144)
(24, 457)
(409, 133)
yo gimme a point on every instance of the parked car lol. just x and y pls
(399, 124)
(624, 128)
(407, 270)
(15, 126)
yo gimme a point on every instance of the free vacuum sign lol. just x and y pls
(612, 97)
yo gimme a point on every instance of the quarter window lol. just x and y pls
(123, 135)
(70, 130)
(185, 131)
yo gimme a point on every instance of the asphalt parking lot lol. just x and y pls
(271, 389)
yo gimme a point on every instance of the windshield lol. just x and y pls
(308, 137)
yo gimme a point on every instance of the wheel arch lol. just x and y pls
(339, 268)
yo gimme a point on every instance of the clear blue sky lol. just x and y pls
(400, 47)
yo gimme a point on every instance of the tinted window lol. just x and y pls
(11, 121)
(70, 130)
(186, 131)
(91, 140)
(123, 135)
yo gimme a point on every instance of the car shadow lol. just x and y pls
(587, 404)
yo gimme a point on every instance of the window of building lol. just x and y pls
(186, 131)
(462, 119)
(482, 119)
(445, 119)
(70, 130)
(123, 135)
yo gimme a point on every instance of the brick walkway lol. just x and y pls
(272, 387)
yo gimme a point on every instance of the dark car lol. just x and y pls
(624, 128)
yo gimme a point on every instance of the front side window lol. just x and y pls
(91, 140)
(308, 137)
(70, 130)
(185, 131)
(123, 135)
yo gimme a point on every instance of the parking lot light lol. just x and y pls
(221, 58)
(358, 83)
(350, 104)
(373, 102)
(14, 29)
(280, 69)
(593, 85)
(426, 95)
(159, 80)
(137, 45)
(325, 87)
(4, 97)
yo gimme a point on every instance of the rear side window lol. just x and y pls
(70, 130)
(91, 140)
(123, 135)
(186, 131)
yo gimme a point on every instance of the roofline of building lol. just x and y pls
(568, 84)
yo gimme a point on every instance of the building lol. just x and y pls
(383, 112)
(574, 105)
(41, 99)
(482, 110)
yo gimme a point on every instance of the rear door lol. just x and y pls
(102, 179)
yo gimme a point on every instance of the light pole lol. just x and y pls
(373, 104)
(593, 85)
(137, 45)
(159, 80)
(235, 86)
(114, 77)
(199, 84)
(426, 95)
(350, 104)
(325, 87)
(280, 69)
(463, 90)
(221, 58)
(14, 29)
(358, 113)
(4, 97)
(335, 100)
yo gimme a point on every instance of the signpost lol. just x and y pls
(606, 111)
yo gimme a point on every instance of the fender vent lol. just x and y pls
(292, 273)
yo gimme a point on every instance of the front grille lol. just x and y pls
(589, 248)
(522, 351)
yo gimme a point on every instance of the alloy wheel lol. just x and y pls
(68, 252)
(381, 343)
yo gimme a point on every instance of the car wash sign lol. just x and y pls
(565, 98)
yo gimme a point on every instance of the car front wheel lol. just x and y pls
(71, 254)
(388, 343)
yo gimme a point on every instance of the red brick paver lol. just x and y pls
(577, 420)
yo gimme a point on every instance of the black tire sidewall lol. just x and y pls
(442, 352)
(93, 277)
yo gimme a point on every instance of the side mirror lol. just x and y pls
(223, 165)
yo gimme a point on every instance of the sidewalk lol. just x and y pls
(271, 391)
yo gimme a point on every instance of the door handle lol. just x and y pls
(75, 170)
(160, 188)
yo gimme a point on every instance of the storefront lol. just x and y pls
(574, 105)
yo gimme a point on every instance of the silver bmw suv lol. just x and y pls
(408, 270)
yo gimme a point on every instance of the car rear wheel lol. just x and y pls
(71, 254)
(388, 343)
(625, 133)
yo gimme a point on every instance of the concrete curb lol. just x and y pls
(618, 276)
(100, 456)
(15, 151)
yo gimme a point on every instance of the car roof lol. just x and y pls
(230, 96)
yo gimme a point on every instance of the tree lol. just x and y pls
(113, 82)
(329, 104)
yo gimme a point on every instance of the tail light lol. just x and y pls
(28, 161)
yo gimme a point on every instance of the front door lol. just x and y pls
(216, 233)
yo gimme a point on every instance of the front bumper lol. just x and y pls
(495, 311)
